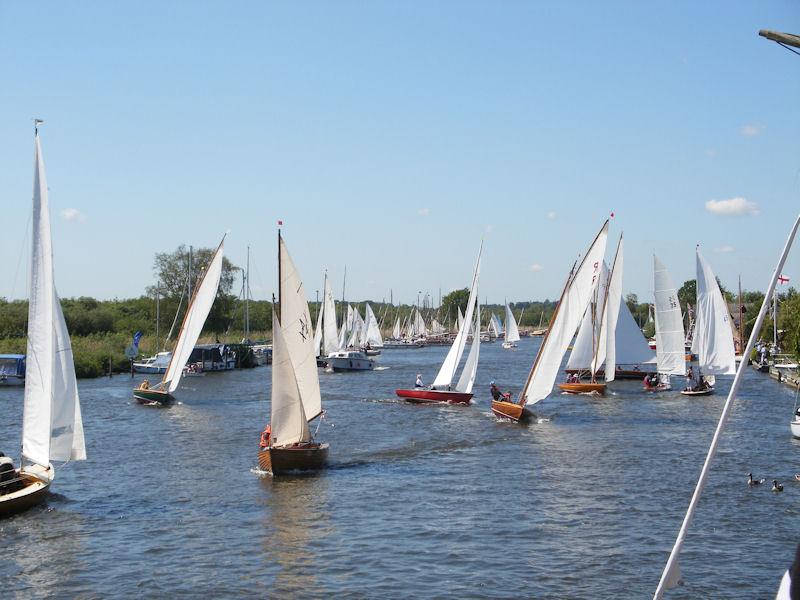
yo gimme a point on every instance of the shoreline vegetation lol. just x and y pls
(101, 329)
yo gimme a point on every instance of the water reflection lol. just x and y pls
(298, 517)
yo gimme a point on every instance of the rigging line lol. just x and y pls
(788, 48)
(19, 258)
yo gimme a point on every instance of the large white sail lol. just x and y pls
(444, 378)
(608, 326)
(460, 317)
(574, 300)
(296, 324)
(631, 346)
(512, 331)
(347, 326)
(355, 333)
(51, 422)
(713, 337)
(586, 341)
(372, 333)
(495, 326)
(330, 340)
(670, 337)
(194, 320)
(318, 328)
(287, 415)
(467, 379)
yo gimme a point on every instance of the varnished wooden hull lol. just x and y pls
(152, 396)
(34, 492)
(583, 388)
(511, 411)
(288, 459)
(422, 396)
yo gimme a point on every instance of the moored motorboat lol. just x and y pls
(12, 369)
(349, 360)
(154, 365)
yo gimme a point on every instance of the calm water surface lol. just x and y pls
(420, 501)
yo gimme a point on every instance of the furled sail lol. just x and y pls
(51, 424)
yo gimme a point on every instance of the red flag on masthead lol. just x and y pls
(783, 279)
(280, 222)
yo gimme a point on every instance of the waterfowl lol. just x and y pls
(776, 487)
(751, 482)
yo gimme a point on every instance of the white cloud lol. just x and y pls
(551, 215)
(751, 130)
(725, 248)
(424, 212)
(536, 267)
(72, 214)
(732, 207)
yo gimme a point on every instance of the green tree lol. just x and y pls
(688, 293)
(455, 300)
(171, 268)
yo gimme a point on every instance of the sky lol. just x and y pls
(391, 137)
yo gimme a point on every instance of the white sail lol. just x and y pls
(460, 318)
(609, 326)
(396, 330)
(631, 346)
(296, 325)
(574, 300)
(372, 333)
(318, 328)
(583, 349)
(51, 421)
(347, 327)
(495, 326)
(467, 379)
(287, 415)
(512, 331)
(713, 337)
(355, 333)
(193, 321)
(670, 337)
(444, 378)
(330, 340)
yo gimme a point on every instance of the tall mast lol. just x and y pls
(344, 308)
(278, 311)
(741, 317)
(190, 272)
(247, 297)
(158, 309)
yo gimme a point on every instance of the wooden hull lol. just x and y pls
(289, 459)
(33, 492)
(422, 396)
(618, 374)
(152, 396)
(583, 388)
(510, 411)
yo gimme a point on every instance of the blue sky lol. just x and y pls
(391, 136)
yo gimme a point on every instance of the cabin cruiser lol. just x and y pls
(12, 369)
(154, 365)
(350, 360)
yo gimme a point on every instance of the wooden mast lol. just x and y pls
(523, 398)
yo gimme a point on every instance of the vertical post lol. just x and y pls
(775, 319)
(158, 311)
(247, 298)
(131, 368)
(190, 273)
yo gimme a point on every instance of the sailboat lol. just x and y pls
(671, 575)
(192, 326)
(371, 339)
(442, 390)
(571, 307)
(52, 428)
(495, 327)
(670, 337)
(287, 443)
(713, 338)
(512, 331)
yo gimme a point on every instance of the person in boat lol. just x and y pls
(496, 393)
(266, 437)
(651, 380)
(145, 385)
(418, 383)
(8, 476)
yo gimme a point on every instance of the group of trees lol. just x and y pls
(108, 325)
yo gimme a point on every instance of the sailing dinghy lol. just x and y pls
(442, 390)
(52, 429)
(571, 307)
(512, 331)
(713, 337)
(670, 337)
(193, 321)
(287, 443)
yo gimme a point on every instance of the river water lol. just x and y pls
(419, 501)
